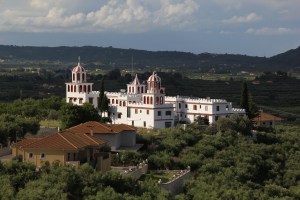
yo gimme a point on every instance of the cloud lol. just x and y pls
(120, 15)
(252, 17)
(38, 4)
(272, 31)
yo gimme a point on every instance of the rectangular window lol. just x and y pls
(43, 155)
(168, 112)
(74, 156)
(69, 157)
(147, 112)
(159, 113)
(206, 108)
(218, 108)
(194, 107)
(128, 112)
(168, 124)
(200, 106)
(186, 105)
(91, 100)
(227, 107)
(30, 155)
(136, 111)
(119, 115)
(144, 124)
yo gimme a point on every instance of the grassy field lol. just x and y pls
(49, 123)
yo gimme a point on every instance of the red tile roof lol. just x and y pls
(25, 142)
(65, 140)
(76, 137)
(266, 117)
(99, 128)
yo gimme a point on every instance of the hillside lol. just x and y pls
(116, 57)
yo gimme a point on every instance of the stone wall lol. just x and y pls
(175, 186)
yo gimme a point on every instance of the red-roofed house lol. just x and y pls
(266, 119)
(65, 147)
(117, 135)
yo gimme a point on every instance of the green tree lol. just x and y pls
(244, 102)
(15, 126)
(103, 100)
(247, 102)
(202, 120)
(71, 115)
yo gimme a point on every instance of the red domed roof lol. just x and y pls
(154, 78)
(78, 68)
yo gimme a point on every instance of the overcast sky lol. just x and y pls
(252, 27)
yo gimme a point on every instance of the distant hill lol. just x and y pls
(116, 57)
(289, 58)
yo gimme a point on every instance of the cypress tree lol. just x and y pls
(247, 102)
(244, 103)
(103, 100)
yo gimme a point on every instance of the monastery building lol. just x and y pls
(146, 104)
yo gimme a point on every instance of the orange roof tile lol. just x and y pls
(25, 142)
(265, 117)
(100, 128)
(65, 140)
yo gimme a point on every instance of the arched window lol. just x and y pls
(84, 88)
(144, 100)
(73, 77)
(124, 103)
(83, 78)
(132, 89)
(89, 88)
(120, 103)
(129, 89)
(78, 77)
(71, 88)
(179, 105)
(161, 91)
(80, 88)
(112, 101)
(147, 100)
(157, 100)
(151, 100)
(161, 100)
(138, 88)
(142, 89)
(74, 88)
(68, 88)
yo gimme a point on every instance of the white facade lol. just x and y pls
(145, 105)
(79, 91)
(189, 108)
(142, 105)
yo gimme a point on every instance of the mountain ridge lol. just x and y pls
(118, 57)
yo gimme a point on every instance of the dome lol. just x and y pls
(78, 68)
(154, 78)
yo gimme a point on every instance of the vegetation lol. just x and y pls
(72, 115)
(228, 164)
(247, 102)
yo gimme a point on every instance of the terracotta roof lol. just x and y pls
(265, 117)
(99, 128)
(25, 142)
(65, 140)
